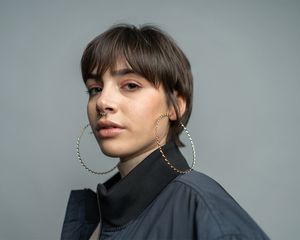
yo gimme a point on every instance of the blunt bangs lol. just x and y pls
(144, 50)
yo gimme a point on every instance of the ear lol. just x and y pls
(181, 103)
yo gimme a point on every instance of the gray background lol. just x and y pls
(245, 122)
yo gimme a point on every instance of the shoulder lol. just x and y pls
(202, 185)
(205, 188)
(80, 200)
(81, 215)
(214, 208)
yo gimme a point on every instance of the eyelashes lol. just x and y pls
(94, 90)
(129, 87)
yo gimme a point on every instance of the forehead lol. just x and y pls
(119, 64)
(132, 63)
(120, 69)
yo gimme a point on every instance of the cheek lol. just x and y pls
(90, 112)
(150, 108)
(147, 112)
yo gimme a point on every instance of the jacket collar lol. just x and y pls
(122, 200)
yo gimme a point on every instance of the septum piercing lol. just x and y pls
(102, 114)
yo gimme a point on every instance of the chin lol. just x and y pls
(111, 149)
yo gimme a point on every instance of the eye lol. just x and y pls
(94, 90)
(131, 86)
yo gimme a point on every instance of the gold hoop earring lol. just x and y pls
(163, 154)
(79, 156)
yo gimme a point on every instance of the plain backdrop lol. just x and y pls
(245, 121)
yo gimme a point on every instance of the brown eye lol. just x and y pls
(131, 86)
(95, 90)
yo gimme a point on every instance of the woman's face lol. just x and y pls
(132, 106)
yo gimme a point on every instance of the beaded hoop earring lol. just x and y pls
(79, 156)
(163, 154)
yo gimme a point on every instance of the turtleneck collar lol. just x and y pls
(123, 199)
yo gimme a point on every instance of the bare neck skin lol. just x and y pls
(128, 164)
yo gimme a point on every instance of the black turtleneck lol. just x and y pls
(123, 199)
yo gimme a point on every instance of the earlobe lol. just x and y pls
(172, 114)
(181, 104)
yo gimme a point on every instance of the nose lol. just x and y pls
(106, 101)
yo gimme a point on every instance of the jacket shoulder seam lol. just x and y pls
(203, 196)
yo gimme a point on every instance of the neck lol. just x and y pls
(126, 165)
(129, 163)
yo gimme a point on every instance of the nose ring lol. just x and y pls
(102, 114)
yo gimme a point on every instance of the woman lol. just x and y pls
(140, 98)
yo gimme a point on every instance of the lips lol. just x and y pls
(108, 129)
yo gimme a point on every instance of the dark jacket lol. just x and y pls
(155, 202)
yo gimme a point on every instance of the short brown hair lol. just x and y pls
(151, 53)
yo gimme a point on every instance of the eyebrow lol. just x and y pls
(114, 73)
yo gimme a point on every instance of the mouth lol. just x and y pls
(108, 129)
